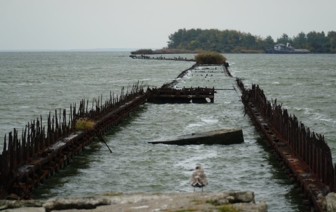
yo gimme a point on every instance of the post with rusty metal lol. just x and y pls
(334, 176)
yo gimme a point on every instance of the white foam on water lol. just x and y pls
(328, 120)
(299, 109)
(199, 157)
(194, 125)
(308, 111)
(209, 121)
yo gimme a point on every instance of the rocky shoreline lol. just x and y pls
(143, 202)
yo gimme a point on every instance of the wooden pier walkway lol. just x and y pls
(184, 95)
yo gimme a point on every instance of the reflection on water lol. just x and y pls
(32, 84)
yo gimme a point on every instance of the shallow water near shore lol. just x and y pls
(34, 84)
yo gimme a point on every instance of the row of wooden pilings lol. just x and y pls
(305, 154)
(179, 58)
(41, 151)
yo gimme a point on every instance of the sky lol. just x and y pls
(102, 24)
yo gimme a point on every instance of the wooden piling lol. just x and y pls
(41, 151)
(305, 153)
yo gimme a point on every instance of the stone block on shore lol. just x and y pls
(242, 201)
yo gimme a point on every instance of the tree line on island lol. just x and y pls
(232, 41)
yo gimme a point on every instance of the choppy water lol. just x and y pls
(33, 84)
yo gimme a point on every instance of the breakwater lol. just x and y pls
(304, 155)
(41, 151)
(178, 58)
(248, 164)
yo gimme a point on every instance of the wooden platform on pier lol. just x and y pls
(184, 95)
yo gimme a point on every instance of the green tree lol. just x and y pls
(269, 42)
(284, 39)
(315, 41)
(300, 41)
(332, 41)
(236, 41)
(177, 38)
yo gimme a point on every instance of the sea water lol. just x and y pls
(36, 83)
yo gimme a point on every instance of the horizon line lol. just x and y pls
(73, 50)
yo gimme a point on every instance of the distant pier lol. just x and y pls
(146, 57)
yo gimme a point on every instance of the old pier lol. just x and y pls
(179, 58)
(40, 151)
(30, 159)
(304, 155)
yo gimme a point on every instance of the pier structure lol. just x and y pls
(143, 56)
(184, 95)
(304, 155)
(41, 151)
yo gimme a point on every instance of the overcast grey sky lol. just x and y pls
(90, 24)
